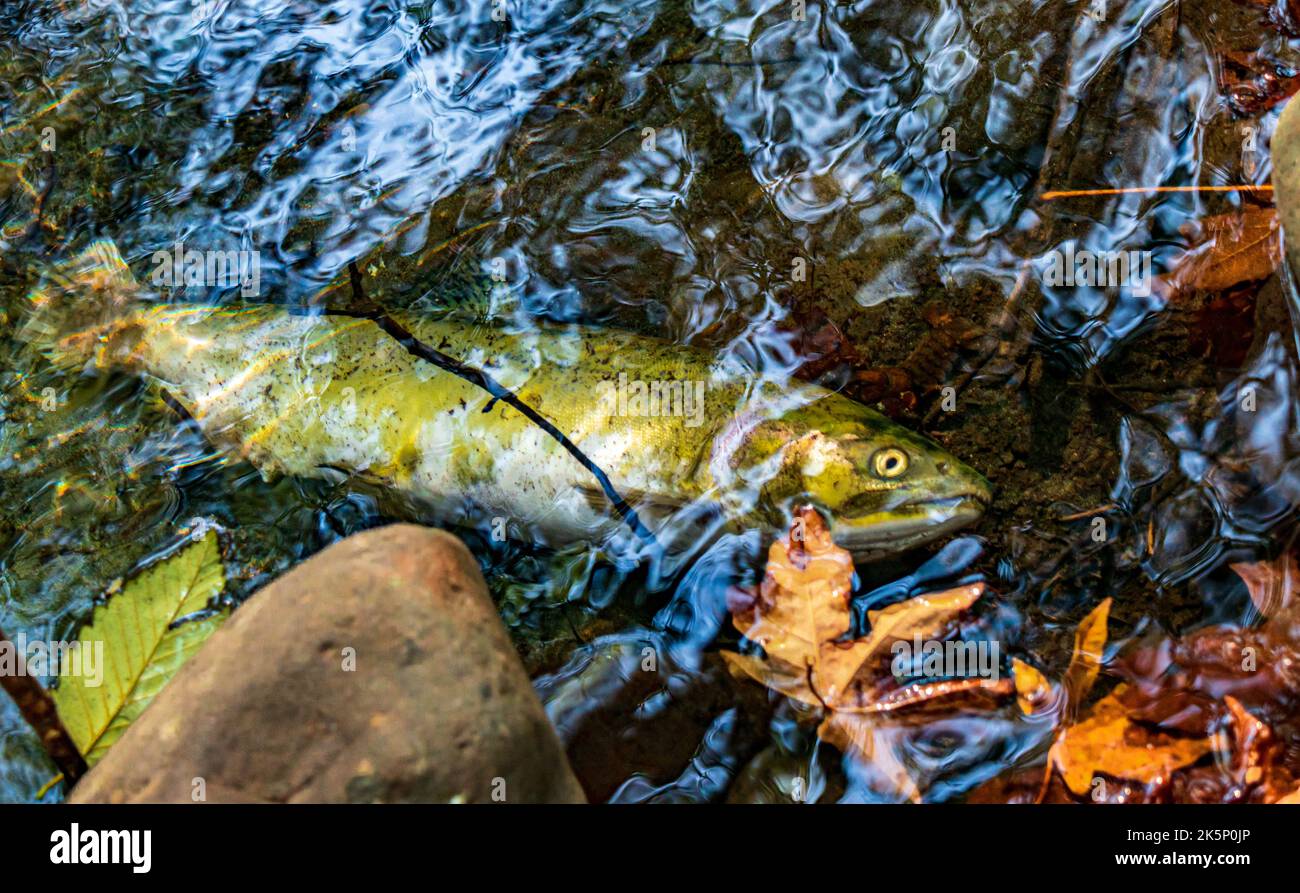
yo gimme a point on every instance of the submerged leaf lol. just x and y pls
(800, 616)
(1233, 248)
(143, 644)
(802, 612)
(858, 736)
(1085, 662)
(803, 606)
(1108, 742)
(1271, 584)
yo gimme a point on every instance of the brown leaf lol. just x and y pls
(803, 604)
(802, 612)
(1233, 248)
(800, 615)
(1254, 82)
(1271, 584)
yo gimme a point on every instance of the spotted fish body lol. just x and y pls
(316, 395)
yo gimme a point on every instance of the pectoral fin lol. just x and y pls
(651, 503)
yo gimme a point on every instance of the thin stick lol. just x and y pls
(37, 707)
(1142, 190)
(478, 377)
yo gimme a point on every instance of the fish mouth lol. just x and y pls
(907, 526)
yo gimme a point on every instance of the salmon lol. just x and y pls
(694, 442)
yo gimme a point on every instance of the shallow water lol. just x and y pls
(666, 167)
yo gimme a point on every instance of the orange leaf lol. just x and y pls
(1085, 662)
(1108, 743)
(803, 604)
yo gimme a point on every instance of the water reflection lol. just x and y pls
(662, 167)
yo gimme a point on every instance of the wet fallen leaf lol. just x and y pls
(1254, 83)
(1085, 661)
(1230, 249)
(800, 616)
(858, 737)
(1185, 699)
(1107, 742)
(146, 632)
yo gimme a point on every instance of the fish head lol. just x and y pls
(883, 489)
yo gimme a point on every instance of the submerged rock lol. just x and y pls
(376, 671)
(1285, 149)
(638, 726)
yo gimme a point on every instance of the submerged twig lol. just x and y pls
(1147, 190)
(414, 346)
(37, 707)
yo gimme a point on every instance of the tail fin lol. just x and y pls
(82, 308)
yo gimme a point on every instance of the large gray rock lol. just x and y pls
(436, 709)
(1285, 151)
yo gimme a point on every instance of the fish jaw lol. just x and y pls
(893, 533)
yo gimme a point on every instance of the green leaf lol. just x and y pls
(143, 644)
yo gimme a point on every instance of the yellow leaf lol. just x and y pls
(144, 639)
(782, 678)
(1107, 742)
(925, 616)
(1089, 642)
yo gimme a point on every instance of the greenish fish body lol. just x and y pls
(690, 440)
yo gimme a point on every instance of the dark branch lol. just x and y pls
(37, 707)
(364, 309)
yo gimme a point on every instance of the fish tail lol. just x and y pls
(82, 308)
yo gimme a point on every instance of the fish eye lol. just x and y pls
(889, 462)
